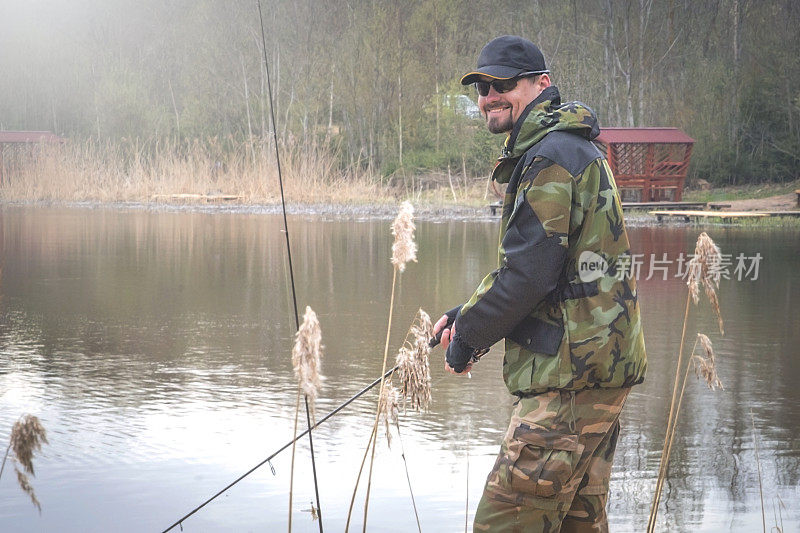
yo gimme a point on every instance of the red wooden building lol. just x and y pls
(23, 137)
(649, 164)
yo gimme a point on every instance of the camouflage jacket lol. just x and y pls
(570, 320)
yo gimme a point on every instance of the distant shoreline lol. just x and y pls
(424, 211)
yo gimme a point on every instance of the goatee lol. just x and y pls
(499, 126)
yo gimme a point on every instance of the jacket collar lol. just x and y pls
(547, 99)
(544, 114)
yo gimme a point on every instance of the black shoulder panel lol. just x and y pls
(568, 150)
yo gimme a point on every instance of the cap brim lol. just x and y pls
(498, 72)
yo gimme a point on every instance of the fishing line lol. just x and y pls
(285, 446)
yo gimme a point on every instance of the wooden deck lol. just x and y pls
(196, 197)
(679, 209)
(724, 215)
(495, 207)
(663, 205)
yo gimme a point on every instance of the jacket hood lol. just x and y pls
(545, 114)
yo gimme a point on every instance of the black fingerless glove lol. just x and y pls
(460, 354)
(451, 318)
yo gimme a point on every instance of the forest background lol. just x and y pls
(369, 91)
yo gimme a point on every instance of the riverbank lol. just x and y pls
(204, 177)
(754, 197)
(424, 210)
(208, 177)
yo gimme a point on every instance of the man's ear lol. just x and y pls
(543, 81)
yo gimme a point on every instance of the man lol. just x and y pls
(560, 298)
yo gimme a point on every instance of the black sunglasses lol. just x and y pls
(501, 86)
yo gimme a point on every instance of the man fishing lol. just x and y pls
(561, 299)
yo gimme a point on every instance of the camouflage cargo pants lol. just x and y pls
(554, 465)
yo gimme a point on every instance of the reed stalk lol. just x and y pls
(662, 462)
(404, 250)
(704, 269)
(358, 478)
(777, 512)
(413, 372)
(380, 400)
(671, 432)
(408, 476)
(758, 463)
(466, 500)
(3, 466)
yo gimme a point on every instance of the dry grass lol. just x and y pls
(27, 436)
(413, 366)
(413, 372)
(139, 171)
(104, 171)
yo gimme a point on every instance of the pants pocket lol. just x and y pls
(544, 461)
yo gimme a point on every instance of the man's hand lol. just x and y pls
(441, 326)
(447, 334)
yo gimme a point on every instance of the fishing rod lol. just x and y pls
(288, 252)
(279, 450)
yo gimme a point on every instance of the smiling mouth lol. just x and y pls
(498, 109)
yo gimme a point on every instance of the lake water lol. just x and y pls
(155, 348)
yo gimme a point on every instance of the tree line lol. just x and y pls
(376, 82)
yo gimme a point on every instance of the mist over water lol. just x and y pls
(155, 348)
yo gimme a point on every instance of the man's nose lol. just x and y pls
(492, 96)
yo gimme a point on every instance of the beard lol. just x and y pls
(499, 123)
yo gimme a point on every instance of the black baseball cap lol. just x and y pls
(506, 57)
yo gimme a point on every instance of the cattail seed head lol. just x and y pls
(704, 268)
(27, 436)
(709, 256)
(705, 366)
(27, 488)
(413, 363)
(693, 283)
(390, 398)
(404, 248)
(306, 356)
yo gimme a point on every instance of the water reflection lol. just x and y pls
(154, 346)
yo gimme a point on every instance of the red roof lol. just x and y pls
(643, 135)
(28, 137)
